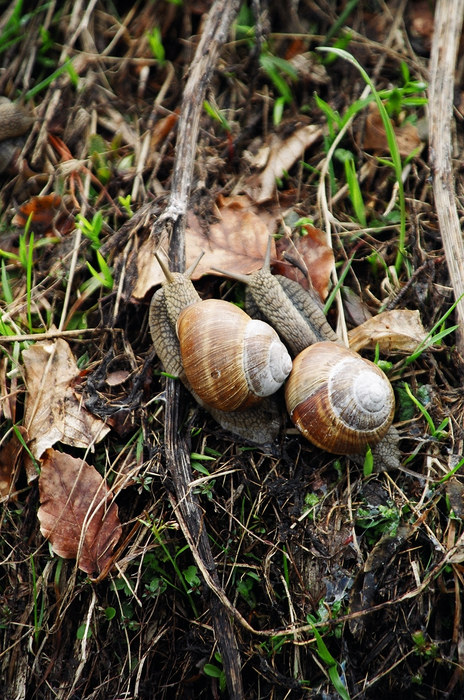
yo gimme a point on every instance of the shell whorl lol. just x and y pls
(266, 361)
(230, 360)
(338, 400)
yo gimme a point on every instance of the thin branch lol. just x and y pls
(172, 224)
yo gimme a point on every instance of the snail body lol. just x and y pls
(295, 313)
(231, 360)
(176, 294)
(15, 121)
(339, 401)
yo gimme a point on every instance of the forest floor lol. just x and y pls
(340, 579)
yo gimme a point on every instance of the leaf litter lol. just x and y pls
(53, 410)
(77, 512)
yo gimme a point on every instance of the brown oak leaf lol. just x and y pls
(309, 253)
(77, 512)
(235, 242)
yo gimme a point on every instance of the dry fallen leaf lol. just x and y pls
(236, 242)
(278, 158)
(311, 250)
(53, 412)
(8, 392)
(43, 210)
(77, 512)
(9, 459)
(455, 494)
(117, 377)
(456, 553)
(394, 331)
(355, 309)
(420, 23)
(375, 138)
(160, 131)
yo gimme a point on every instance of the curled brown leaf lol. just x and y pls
(400, 330)
(53, 411)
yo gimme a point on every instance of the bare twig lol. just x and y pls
(172, 223)
(447, 32)
(214, 34)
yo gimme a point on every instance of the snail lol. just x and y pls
(177, 310)
(330, 386)
(302, 326)
(338, 400)
(231, 360)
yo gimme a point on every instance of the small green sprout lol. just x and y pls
(195, 462)
(214, 671)
(216, 114)
(126, 203)
(91, 229)
(105, 276)
(368, 465)
(433, 337)
(276, 68)
(156, 44)
(347, 158)
(333, 667)
(439, 432)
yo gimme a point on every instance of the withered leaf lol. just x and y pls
(235, 242)
(315, 255)
(455, 492)
(117, 377)
(394, 331)
(278, 157)
(43, 209)
(375, 137)
(456, 553)
(53, 412)
(77, 512)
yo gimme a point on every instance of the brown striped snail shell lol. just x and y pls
(230, 360)
(341, 402)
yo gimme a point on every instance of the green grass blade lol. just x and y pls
(392, 145)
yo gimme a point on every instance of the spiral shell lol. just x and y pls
(230, 360)
(339, 401)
